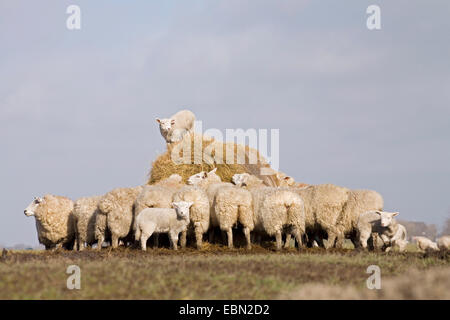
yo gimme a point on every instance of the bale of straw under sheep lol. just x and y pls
(174, 128)
(54, 221)
(118, 207)
(359, 201)
(275, 210)
(85, 215)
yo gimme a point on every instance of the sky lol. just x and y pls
(355, 107)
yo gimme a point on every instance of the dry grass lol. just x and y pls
(213, 273)
(164, 166)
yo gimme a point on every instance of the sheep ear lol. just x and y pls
(213, 171)
(204, 175)
(158, 120)
(172, 122)
(394, 214)
(378, 212)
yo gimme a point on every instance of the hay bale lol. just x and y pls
(201, 153)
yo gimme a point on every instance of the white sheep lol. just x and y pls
(174, 128)
(163, 220)
(117, 206)
(54, 221)
(378, 222)
(85, 215)
(199, 212)
(444, 243)
(399, 239)
(275, 210)
(359, 201)
(425, 244)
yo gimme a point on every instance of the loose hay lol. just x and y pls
(164, 166)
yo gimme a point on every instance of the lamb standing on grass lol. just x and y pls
(117, 208)
(444, 243)
(54, 221)
(163, 220)
(399, 239)
(425, 244)
(174, 128)
(275, 210)
(379, 222)
(85, 215)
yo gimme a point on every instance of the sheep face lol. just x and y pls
(165, 124)
(196, 178)
(31, 209)
(182, 209)
(386, 217)
(239, 179)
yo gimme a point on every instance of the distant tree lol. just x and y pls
(446, 228)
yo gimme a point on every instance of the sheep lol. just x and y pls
(199, 212)
(174, 128)
(118, 205)
(232, 205)
(163, 220)
(54, 221)
(379, 222)
(359, 201)
(323, 204)
(425, 244)
(275, 210)
(399, 239)
(85, 215)
(158, 195)
(444, 243)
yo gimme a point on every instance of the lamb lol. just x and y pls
(275, 210)
(158, 195)
(444, 243)
(174, 128)
(425, 244)
(359, 201)
(85, 215)
(117, 206)
(399, 239)
(199, 212)
(379, 222)
(163, 220)
(54, 221)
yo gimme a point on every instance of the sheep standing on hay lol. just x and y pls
(174, 128)
(54, 221)
(158, 195)
(379, 222)
(323, 204)
(117, 207)
(359, 201)
(199, 212)
(162, 220)
(444, 243)
(425, 244)
(275, 210)
(85, 214)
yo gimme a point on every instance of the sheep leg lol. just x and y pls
(100, 241)
(114, 241)
(363, 238)
(331, 240)
(174, 240)
(339, 241)
(229, 232)
(155, 240)
(247, 237)
(287, 243)
(144, 238)
(298, 238)
(198, 237)
(278, 239)
(183, 239)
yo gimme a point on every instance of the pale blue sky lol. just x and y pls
(358, 108)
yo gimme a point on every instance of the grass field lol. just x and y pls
(216, 273)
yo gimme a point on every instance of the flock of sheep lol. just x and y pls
(308, 214)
